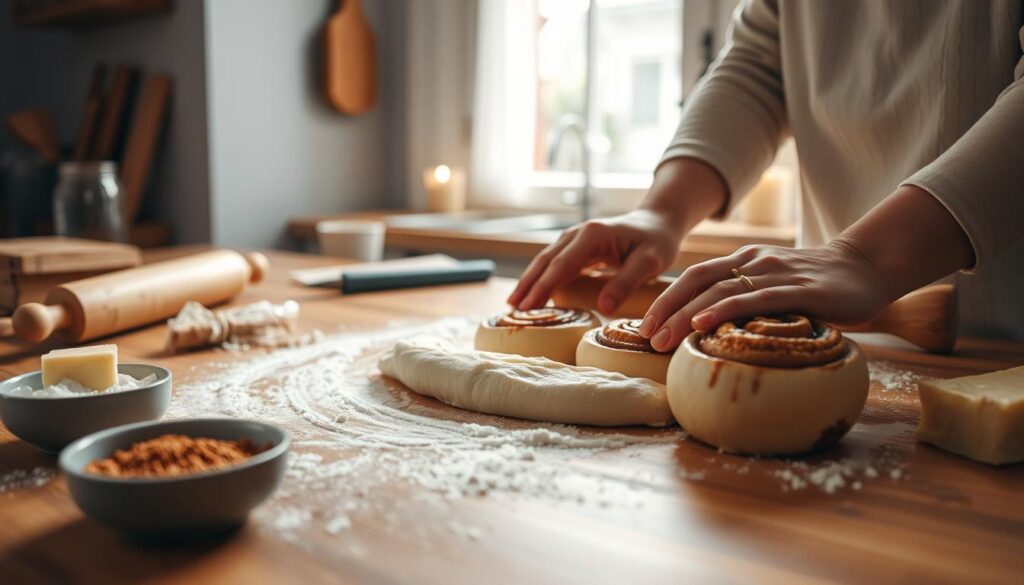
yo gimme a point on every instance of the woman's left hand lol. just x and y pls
(834, 283)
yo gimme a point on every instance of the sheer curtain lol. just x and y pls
(504, 102)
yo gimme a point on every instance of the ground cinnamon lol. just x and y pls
(171, 455)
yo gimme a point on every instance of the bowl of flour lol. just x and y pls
(50, 417)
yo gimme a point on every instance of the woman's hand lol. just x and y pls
(906, 242)
(642, 243)
(834, 283)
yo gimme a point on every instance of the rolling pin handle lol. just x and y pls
(259, 266)
(36, 322)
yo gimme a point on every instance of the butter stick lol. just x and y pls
(93, 366)
(980, 417)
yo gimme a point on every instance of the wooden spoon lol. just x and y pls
(350, 60)
(925, 317)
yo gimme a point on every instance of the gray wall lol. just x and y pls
(276, 148)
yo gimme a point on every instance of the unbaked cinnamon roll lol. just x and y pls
(551, 332)
(789, 341)
(619, 347)
(769, 385)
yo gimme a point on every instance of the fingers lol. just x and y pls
(565, 265)
(779, 299)
(678, 325)
(694, 280)
(640, 266)
(537, 267)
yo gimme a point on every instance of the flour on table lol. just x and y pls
(365, 449)
(357, 436)
(26, 478)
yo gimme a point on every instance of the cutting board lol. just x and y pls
(350, 60)
(30, 267)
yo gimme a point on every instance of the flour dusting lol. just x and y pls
(367, 450)
(359, 438)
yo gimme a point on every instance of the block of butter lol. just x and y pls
(981, 417)
(93, 366)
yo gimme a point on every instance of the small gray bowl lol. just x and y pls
(181, 506)
(52, 423)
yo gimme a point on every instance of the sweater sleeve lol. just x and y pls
(980, 178)
(735, 119)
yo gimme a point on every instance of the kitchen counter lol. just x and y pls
(694, 514)
(708, 240)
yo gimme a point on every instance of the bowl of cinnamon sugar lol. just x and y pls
(177, 478)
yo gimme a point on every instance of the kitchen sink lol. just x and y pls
(481, 222)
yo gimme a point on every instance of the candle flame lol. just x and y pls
(442, 173)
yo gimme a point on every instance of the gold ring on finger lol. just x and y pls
(743, 279)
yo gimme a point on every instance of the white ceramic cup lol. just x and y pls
(352, 239)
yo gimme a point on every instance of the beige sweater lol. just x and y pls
(879, 93)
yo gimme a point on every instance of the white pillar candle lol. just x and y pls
(770, 202)
(446, 188)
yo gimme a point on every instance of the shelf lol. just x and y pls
(79, 14)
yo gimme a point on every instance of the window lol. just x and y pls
(646, 86)
(642, 57)
(634, 103)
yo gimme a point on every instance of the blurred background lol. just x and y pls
(486, 120)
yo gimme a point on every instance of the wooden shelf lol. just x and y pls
(82, 13)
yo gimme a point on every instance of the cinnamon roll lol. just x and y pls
(619, 347)
(769, 385)
(551, 332)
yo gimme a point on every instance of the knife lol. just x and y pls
(355, 281)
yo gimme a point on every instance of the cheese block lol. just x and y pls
(981, 417)
(94, 366)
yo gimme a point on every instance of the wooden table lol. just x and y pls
(946, 520)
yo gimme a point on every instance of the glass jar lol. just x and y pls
(87, 202)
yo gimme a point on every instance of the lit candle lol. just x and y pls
(770, 202)
(446, 188)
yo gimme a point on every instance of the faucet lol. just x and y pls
(575, 124)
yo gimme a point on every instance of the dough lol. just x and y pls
(981, 417)
(759, 409)
(618, 347)
(551, 332)
(525, 387)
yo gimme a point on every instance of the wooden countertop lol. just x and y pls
(708, 240)
(946, 519)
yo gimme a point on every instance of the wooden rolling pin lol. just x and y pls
(926, 317)
(110, 303)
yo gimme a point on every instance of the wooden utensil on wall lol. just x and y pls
(143, 137)
(350, 60)
(112, 115)
(37, 130)
(90, 114)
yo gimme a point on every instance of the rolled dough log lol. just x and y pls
(525, 387)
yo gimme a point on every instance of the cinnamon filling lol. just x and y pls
(623, 334)
(543, 317)
(790, 341)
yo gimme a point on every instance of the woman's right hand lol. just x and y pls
(641, 243)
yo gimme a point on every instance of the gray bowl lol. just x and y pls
(52, 423)
(181, 506)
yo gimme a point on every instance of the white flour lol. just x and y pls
(26, 478)
(357, 438)
(71, 389)
(367, 450)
